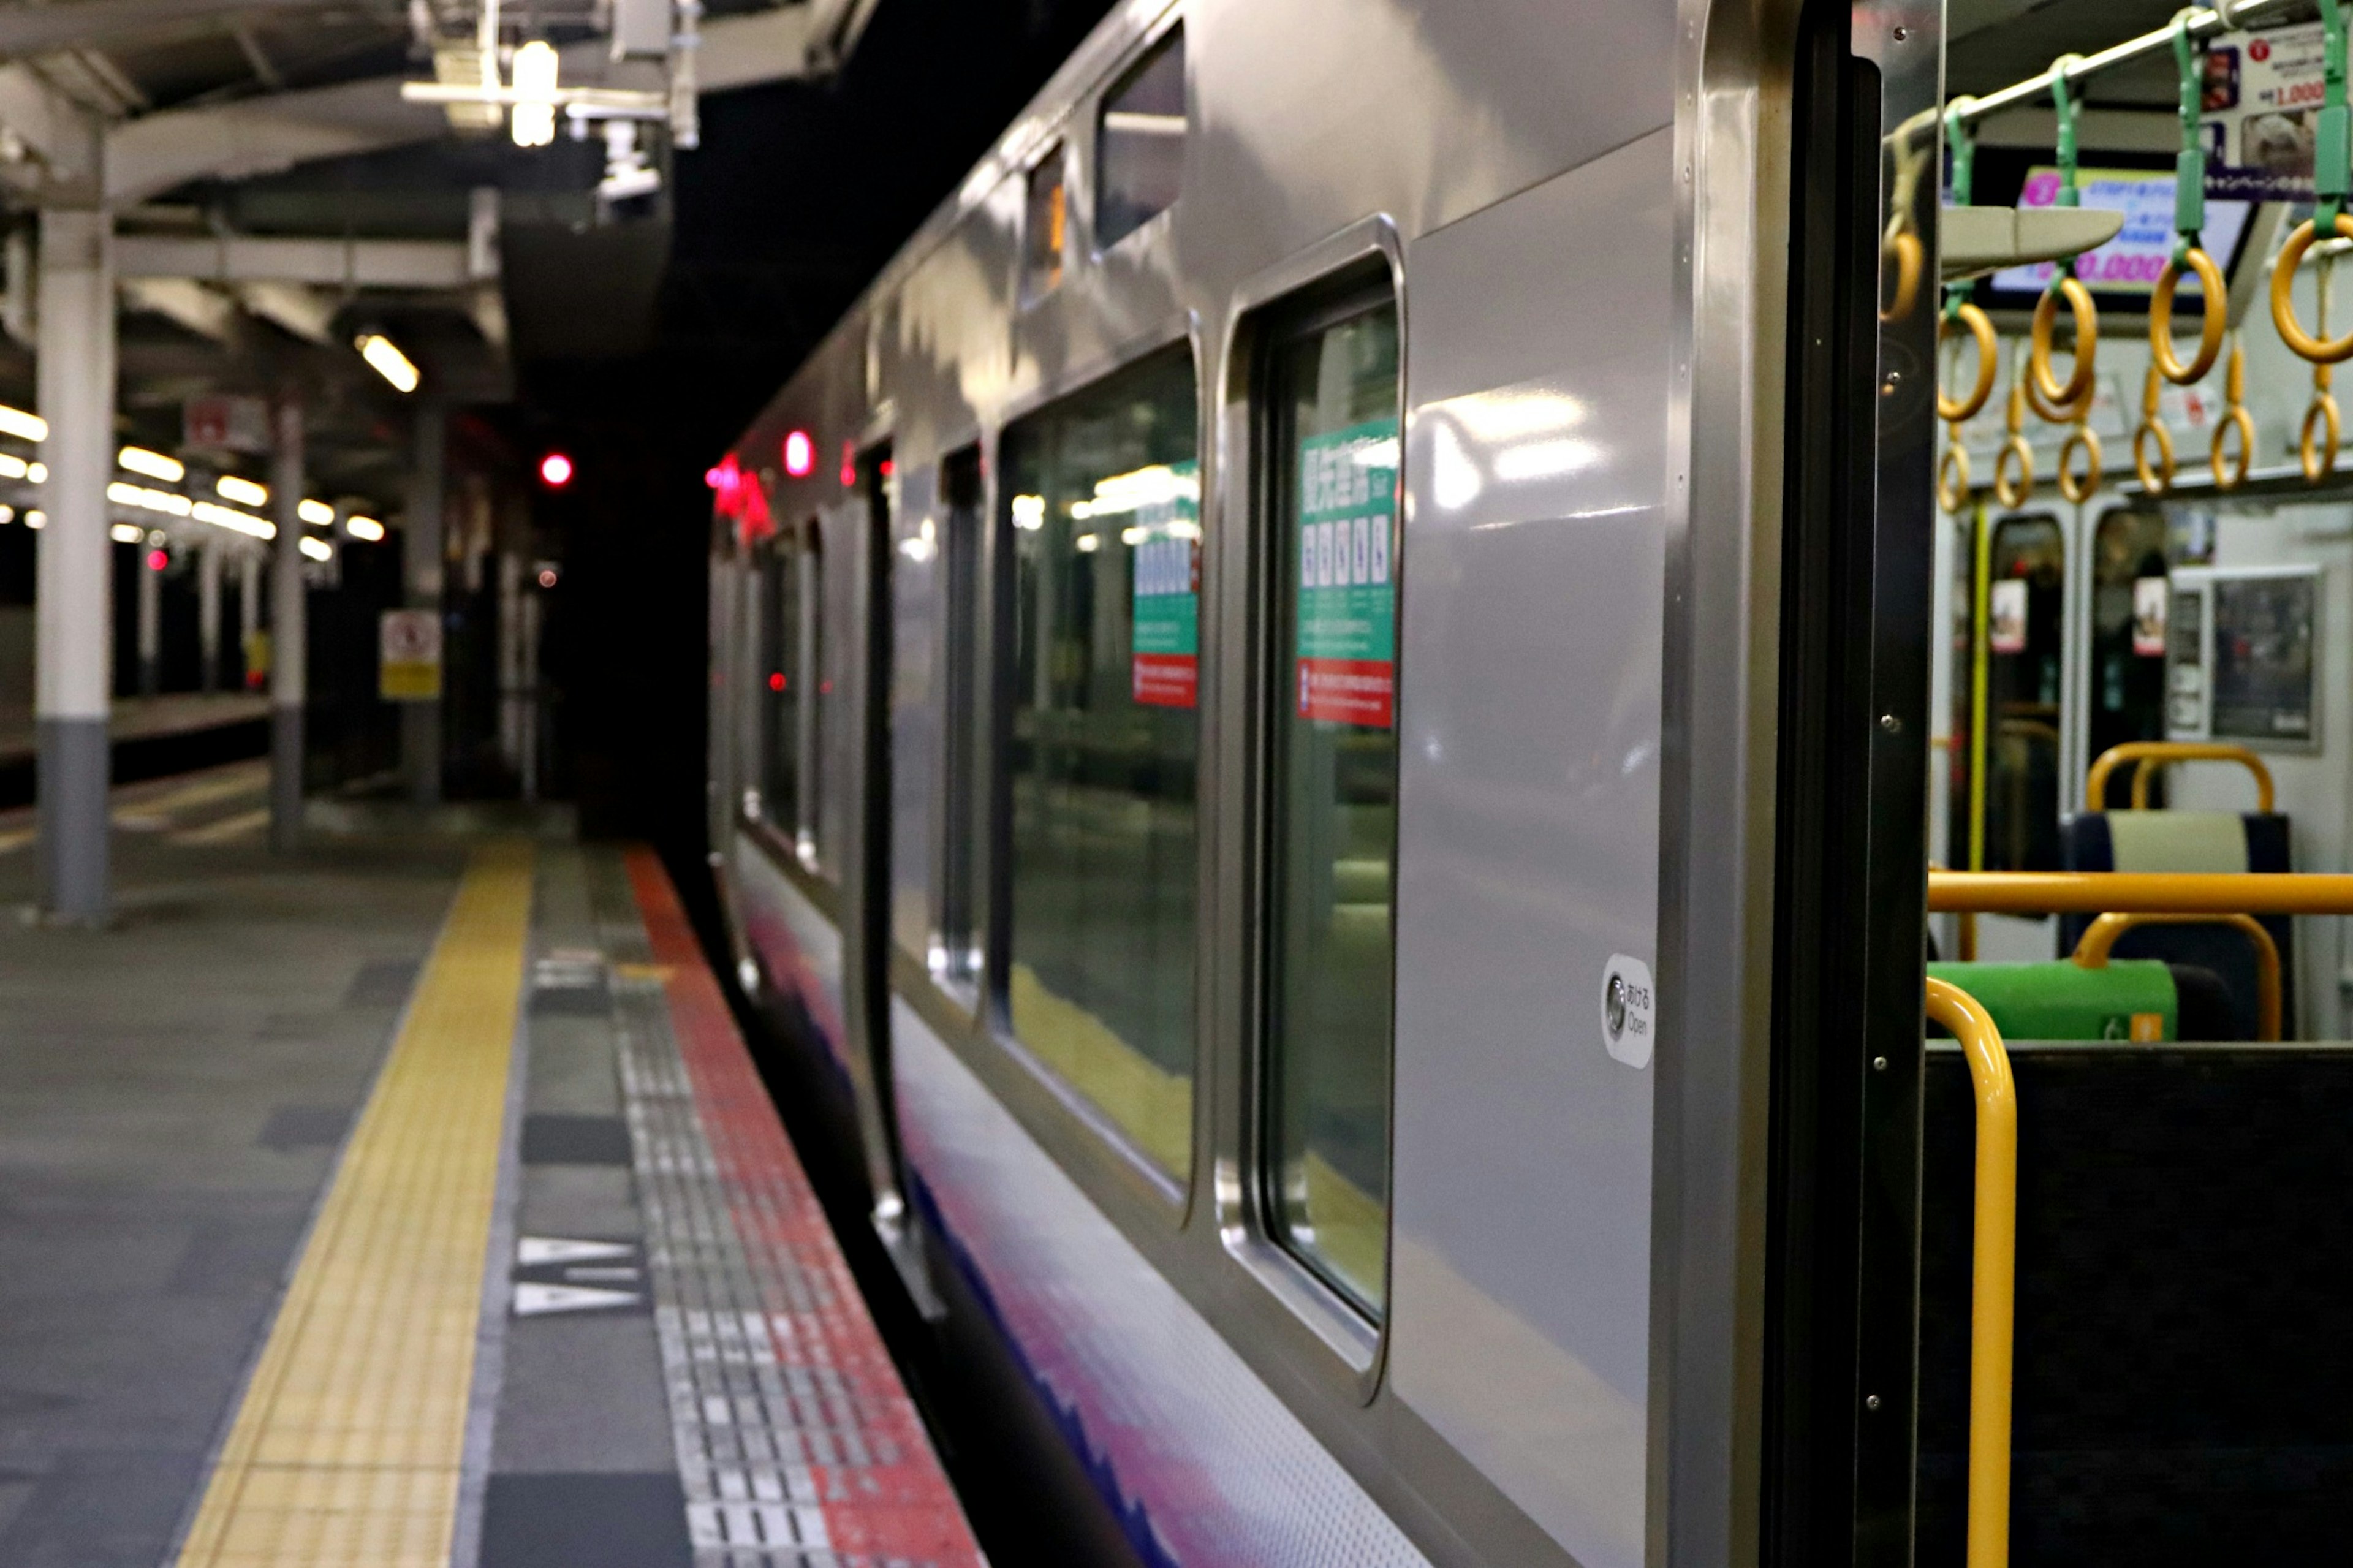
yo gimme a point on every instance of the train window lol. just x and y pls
(2130, 594)
(2009, 812)
(816, 654)
(1140, 141)
(1045, 225)
(1332, 798)
(779, 671)
(955, 953)
(1102, 537)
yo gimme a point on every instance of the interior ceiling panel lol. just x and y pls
(1993, 43)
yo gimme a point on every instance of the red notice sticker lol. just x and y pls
(1167, 680)
(1347, 690)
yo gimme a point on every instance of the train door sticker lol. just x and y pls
(1347, 594)
(1165, 558)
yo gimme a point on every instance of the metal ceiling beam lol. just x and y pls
(331, 263)
(155, 153)
(102, 24)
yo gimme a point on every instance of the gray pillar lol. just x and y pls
(209, 608)
(289, 639)
(249, 603)
(150, 623)
(74, 620)
(421, 567)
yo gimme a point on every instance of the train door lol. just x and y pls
(1985, 1245)
(866, 874)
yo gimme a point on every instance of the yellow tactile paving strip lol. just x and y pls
(346, 1450)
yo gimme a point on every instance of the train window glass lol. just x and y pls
(779, 673)
(955, 948)
(818, 655)
(2023, 603)
(2129, 595)
(1045, 225)
(1102, 531)
(1140, 141)
(1332, 829)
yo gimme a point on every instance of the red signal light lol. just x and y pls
(777, 681)
(555, 470)
(800, 454)
(157, 560)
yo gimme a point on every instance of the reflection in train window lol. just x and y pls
(2010, 815)
(1102, 512)
(1332, 835)
(1140, 142)
(2129, 595)
(1045, 224)
(779, 673)
(957, 931)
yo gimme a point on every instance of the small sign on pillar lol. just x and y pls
(408, 656)
(226, 423)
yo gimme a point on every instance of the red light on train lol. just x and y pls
(800, 454)
(849, 465)
(555, 470)
(777, 681)
(157, 560)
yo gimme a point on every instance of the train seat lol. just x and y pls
(2192, 841)
(2126, 999)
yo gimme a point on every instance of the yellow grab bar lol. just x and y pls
(2100, 939)
(1993, 1270)
(2142, 892)
(2141, 752)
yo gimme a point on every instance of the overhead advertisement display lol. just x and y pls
(1347, 593)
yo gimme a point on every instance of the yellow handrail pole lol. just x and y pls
(1993, 1269)
(1980, 650)
(2140, 753)
(2142, 892)
(2100, 940)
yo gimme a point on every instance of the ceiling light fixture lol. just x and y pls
(245, 492)
(366, 528)
(532, 119)
(154, 465)
(384, 357)
(23, 425)
(317, 513)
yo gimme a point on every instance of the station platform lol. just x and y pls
(414, 1201)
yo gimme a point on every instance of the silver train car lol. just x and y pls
(1321, 699)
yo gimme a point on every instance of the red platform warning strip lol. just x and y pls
(796, 1441)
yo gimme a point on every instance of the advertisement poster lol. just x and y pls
(408, 656)
(2129, 263)
(2261, 109)
(2006, 616)
(1164, 557)
(1347, 598)
(2150, 597)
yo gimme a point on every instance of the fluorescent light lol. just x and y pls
(23, 425)
(127, 533)
(532, 119)
(236, 521)
(317, 513)
(7, 514)
(317, 549)
(366, 528)
(385, 359)
(36, 518)
(1028, 511)
(125, 494)
(154, 465)
(1089, 544)
(12, 467)
(245, 492)
(37, 472)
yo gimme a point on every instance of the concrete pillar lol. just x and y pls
(209, 608)
(74, 617)
(421, 567)
(151, 622)
(249, 603)
(289, 639)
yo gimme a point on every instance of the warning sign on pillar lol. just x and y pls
(408, 656)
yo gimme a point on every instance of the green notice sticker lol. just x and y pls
(1164, 556)
(1347, 591)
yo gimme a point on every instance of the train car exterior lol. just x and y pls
(1249, 696)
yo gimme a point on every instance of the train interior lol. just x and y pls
(2140, 790)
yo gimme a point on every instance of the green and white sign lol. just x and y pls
(1347, 589)
(1166, 557)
